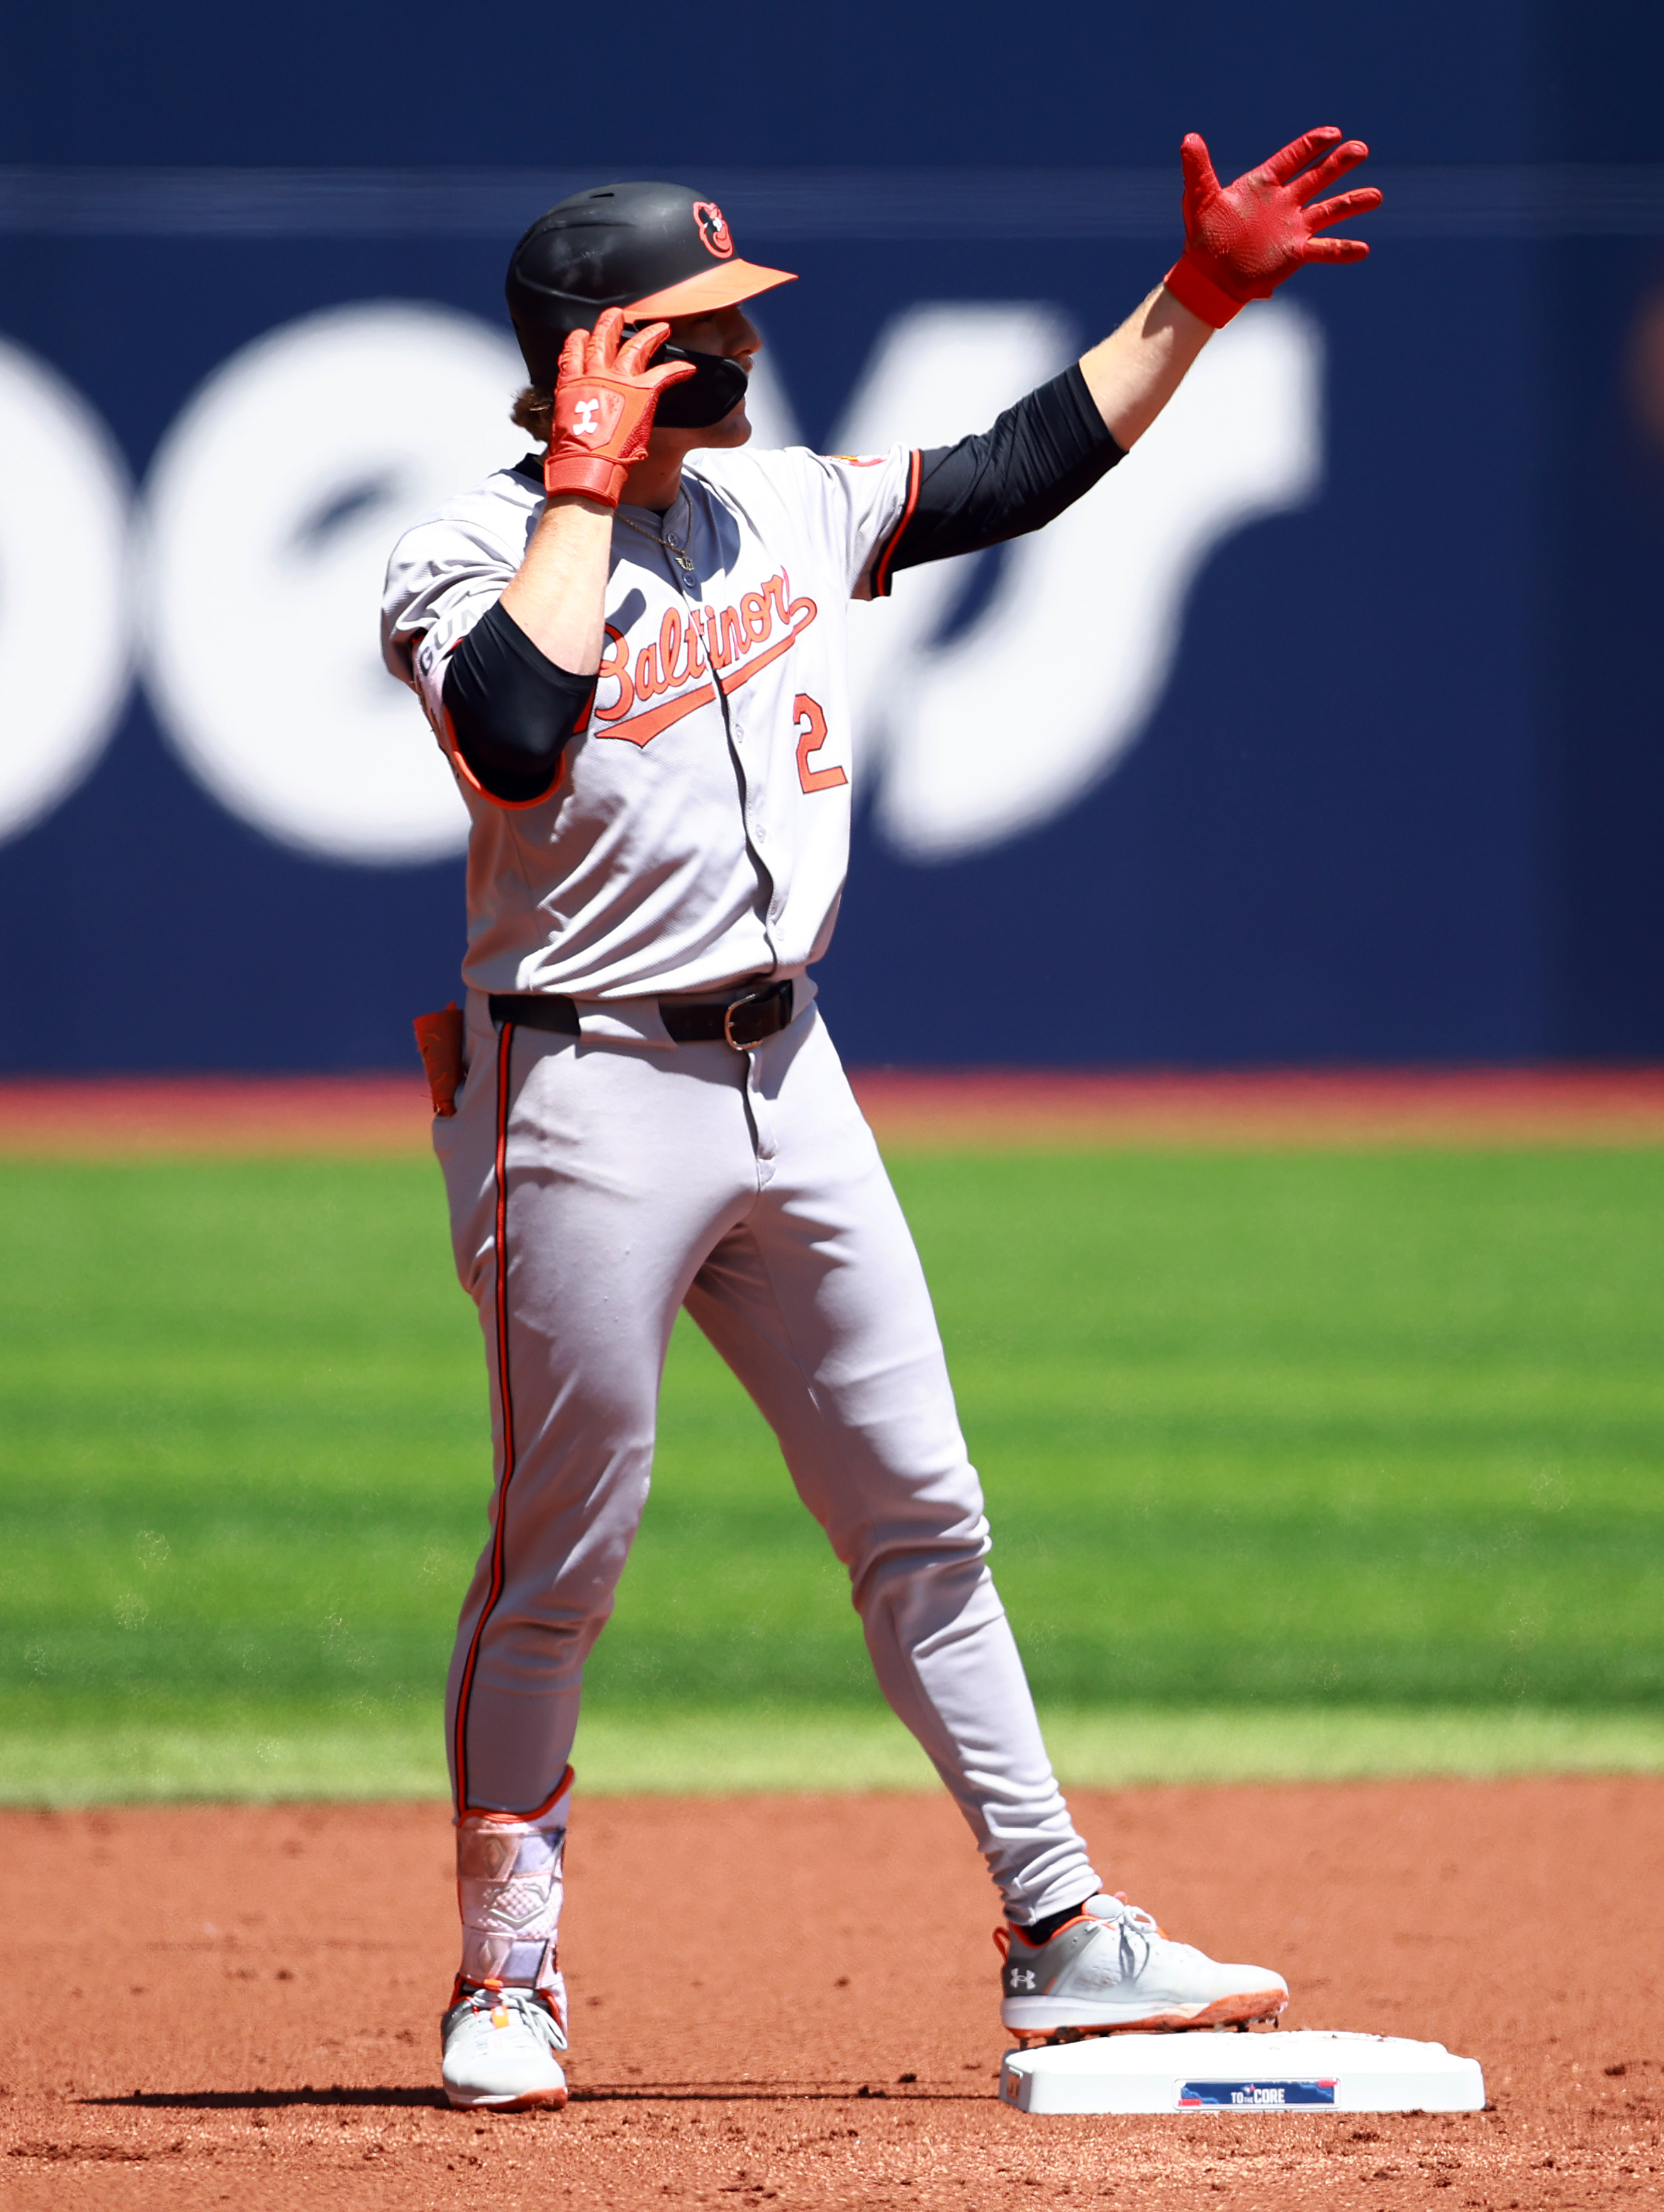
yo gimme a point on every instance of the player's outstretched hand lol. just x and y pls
(604, 399)
(1242, 240)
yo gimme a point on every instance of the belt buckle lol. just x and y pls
(748, 999)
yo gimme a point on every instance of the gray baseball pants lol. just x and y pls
(596, 1187)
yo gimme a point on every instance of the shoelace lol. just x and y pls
(533, 2015)
(1133, 1924)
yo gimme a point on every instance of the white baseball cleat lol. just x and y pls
(499, 2046)
(1113, 1969)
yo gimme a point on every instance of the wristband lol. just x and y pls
(1198, 292)
(591, 475)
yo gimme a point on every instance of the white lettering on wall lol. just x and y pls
(1011, 721)
(64, 628)
(937, 373)
(272, 507)
(278, 494)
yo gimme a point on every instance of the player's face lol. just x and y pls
(729, 332)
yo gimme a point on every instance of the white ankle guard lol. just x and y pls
(509, 1887)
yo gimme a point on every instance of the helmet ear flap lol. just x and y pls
(715, 389)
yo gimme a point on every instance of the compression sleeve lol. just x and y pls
(511, 711)
(1039, 458)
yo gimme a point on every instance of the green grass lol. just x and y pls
(1338, 1434)
(394, 1750)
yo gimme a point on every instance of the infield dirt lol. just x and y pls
(793, 2001)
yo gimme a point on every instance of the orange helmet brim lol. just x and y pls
(724, 286)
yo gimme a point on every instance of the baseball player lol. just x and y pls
(630, 647)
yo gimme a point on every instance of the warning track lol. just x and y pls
(119, 1116)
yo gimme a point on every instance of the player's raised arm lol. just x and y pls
(1242, 242)
(522, 680)
(599, 426)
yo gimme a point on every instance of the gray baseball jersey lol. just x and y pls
(699, 827)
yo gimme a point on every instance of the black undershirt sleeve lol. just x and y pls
(1039, 458)
(512, 710)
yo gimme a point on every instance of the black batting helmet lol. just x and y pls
(654, 251)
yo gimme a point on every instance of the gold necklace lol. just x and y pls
(679, 554)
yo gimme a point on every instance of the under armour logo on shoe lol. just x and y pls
(1021, 1977)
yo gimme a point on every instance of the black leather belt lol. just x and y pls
(743, 1020)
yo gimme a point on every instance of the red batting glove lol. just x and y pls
(1242, 240)
(604, 397)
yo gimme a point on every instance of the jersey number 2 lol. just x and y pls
(812, 736)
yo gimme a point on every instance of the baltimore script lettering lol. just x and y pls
(705, 642)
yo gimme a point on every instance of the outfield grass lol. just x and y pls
(1374, 1436)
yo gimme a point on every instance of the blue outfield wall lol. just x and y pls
(1343, 746)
